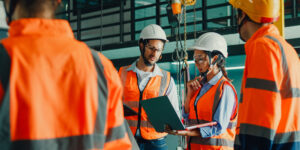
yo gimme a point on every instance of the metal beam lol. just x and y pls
(204, 14)
(233, 50)
(158, 12)
(79, 24)
(122, 22)
(132, 19)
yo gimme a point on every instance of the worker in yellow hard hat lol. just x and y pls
(269, 114)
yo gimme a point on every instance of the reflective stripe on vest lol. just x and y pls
(131, 98)
(80, 142)
(165, 82)
(144, 123)
(4, 67)
(231, 125)
(286, 91)
(211, 141)
(102, 97)
(217, 97)
(114, 133)
(208, 107)
(280, 125)
(278, 138)
(5, 63)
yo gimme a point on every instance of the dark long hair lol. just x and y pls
(221, 63)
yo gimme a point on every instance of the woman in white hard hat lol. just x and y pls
(211, 98)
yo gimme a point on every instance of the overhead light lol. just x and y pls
(227, 68)
(142, 3)
(189, 62)
(235, 68)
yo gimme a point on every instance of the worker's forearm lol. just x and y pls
(187, 104)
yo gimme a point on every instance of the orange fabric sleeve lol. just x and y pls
(261, 100)
(115, 131)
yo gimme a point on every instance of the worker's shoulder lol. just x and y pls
(165, 72)
(125, 67)
(266, 44)
(270, 39)
(107, 64)
(227, 84)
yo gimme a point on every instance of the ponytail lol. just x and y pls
(225, 74)
(221, 64)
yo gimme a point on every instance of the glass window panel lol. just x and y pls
(213, 25)
(214, 2)
(164, 21)
(145, 12)
(141, 24)
(138, 3)
(163, 9)
(218, 12)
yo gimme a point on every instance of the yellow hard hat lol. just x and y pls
(260, 11)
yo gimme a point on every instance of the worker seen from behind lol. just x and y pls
(269, 110)
(211, 97)
(55, 93)
(142, 80)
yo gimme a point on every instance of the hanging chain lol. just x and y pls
(101, 24)
(184, 12)
(195, 36)
(185, 37)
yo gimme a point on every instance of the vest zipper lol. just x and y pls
(138, 130)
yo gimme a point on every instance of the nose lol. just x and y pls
(154, 52)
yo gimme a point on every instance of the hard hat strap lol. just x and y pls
(204, 74)
(209, 57)
(146, 62)
(211, 64)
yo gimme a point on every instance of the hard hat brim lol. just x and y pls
(203, 49)
(198, 48)
(166, 40)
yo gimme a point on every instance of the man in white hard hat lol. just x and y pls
(143, 79)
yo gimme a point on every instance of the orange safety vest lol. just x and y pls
(157, 86)
(204, 111)
(56, 93)
(269, 110)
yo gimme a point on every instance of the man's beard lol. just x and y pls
(146, 62)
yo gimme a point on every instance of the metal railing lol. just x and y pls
(292, 9)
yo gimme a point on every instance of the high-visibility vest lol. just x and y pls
(269, 110)
(204, 111)
(156, 86)
(56, 93)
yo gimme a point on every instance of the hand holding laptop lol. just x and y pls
(189, 131)
(194, 132)
(161, 113)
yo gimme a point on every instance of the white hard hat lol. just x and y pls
(211, 41)
(153, 31)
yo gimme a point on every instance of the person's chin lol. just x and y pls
(152, 62)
